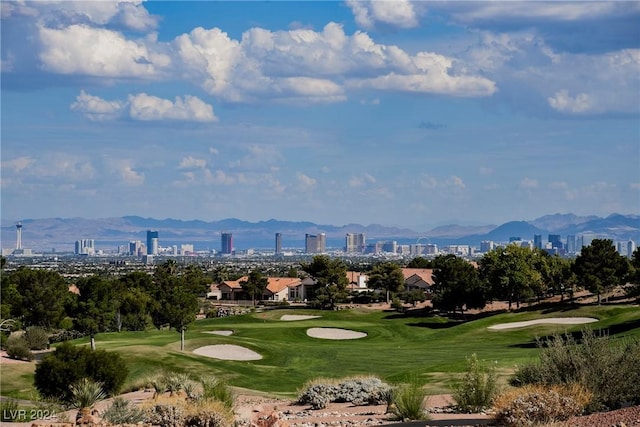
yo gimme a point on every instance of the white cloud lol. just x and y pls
(80, 49)
(564, 103)
(191, 162)
(145, 107)
(124, 169)
(18, 164)
(528, 183)
(396, 13)
(96, 108)
(258, 157)
(191, 108)
(555, 11)
(305, 183)
(361, 180)
(456, 182)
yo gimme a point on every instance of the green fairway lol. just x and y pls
(395, 347)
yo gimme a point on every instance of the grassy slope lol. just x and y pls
(394, 348)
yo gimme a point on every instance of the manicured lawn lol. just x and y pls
(394, 348)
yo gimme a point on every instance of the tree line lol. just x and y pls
(169, 297)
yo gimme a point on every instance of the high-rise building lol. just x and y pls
(556, 241)
(85, 247)
(226, 246)
(487, 246)
(315, 244)
(571, 244)
(355, 243)
(152, 242)
(278, 243)
(537, 241)
(135, 248)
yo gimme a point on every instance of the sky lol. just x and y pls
(400, 113)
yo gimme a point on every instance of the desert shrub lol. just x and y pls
(176, 381)
(17, 348)
(208, 413)
(537, 404)
(68, 364)
(357, 390)
(165, 415)
(86, 392)
(121, 411)
(608, 369)
(175, 411)
(409, 401)
(213, 388)
(37, 338)
(478, 386)
(362, 391)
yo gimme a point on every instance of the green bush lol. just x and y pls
(217, 390)
(607, 368)
(121, 411)
(37, 338)
(478, 386)
(68, 364)
(17, 348)
(409, 401)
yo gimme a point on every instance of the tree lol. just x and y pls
(255, 285)
(181, 307)
(45, 297)
(177, 300)
(600, 267)
(420, 262)
(331, 280)
(67, 364)
(634, 274)
(96, 307)
(510, 273)
(387, 276)
(457, 285)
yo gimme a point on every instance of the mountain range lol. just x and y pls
(61, 233)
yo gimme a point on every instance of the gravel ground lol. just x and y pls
(626, 417)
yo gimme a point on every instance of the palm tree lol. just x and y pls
(85, 393)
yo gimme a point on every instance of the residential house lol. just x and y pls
(232, 290)
(418, 278)
(278, 288)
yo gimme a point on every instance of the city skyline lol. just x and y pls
(409, 114)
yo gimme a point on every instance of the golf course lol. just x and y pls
(391, 346)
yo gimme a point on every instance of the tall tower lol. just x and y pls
(226, 246)
(19, 236)
(278, 243)
(152, 242)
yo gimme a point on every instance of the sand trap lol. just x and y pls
(334, 334)
(291, 317)
(227, 352)
(547, 320)
(225, 333)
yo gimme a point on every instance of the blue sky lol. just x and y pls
(404, 113)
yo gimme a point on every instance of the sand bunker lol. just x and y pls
(225, 333)
(334, 334)
(547, 320)
(290, 317)
(227, 352)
